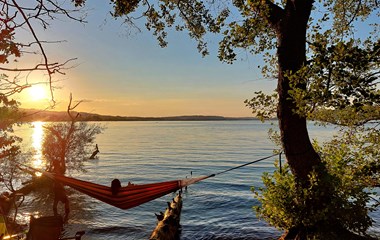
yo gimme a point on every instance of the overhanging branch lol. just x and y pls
(46, 62)
(271, 12)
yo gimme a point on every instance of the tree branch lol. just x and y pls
(54, 67)
(70, 108)
(46, 62)
(65, 12)
(14, 15)
(273, 13)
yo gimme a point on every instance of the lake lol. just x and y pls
(147, 152)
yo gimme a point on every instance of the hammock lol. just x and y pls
(128, 196)
(132, 195)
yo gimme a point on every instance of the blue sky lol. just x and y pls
(128, 74)
(120, 71)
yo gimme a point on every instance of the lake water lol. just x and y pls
(146, 152)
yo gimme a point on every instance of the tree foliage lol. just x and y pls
(284, 203)
(341, 77)
(342, 86)
(70, 144)
(9, 143)
(351, 159)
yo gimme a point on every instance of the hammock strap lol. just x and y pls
(243, 165)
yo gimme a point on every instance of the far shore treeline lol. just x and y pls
(32, 115)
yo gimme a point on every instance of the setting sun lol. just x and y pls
(37, 92)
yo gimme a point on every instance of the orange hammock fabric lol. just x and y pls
(128, 196)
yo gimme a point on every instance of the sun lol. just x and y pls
(37, 92)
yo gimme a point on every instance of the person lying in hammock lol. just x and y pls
(115, 186)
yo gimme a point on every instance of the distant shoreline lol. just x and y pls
(32, 115)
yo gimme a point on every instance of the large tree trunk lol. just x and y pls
(291, 36)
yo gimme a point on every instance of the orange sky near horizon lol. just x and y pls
(130, 75)
(144, 107)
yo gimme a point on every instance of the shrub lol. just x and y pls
(333, 199)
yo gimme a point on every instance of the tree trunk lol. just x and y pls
(291, 36)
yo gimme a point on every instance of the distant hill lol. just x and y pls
(31, 115)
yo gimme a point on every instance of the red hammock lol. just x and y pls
(129, 196)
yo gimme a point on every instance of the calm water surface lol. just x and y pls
(144, 152)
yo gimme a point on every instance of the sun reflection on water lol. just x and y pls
(37, 137)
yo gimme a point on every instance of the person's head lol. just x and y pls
(115, 186)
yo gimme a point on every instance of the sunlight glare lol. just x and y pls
(38, 134)
(37, 92)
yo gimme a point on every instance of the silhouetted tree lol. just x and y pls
(67, 145)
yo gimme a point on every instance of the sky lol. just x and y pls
(126, 73)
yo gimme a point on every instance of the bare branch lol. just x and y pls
(64, 11)
(32, 43)
(46, 62)
(70, 108)
(54, 67)
(17, 15)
